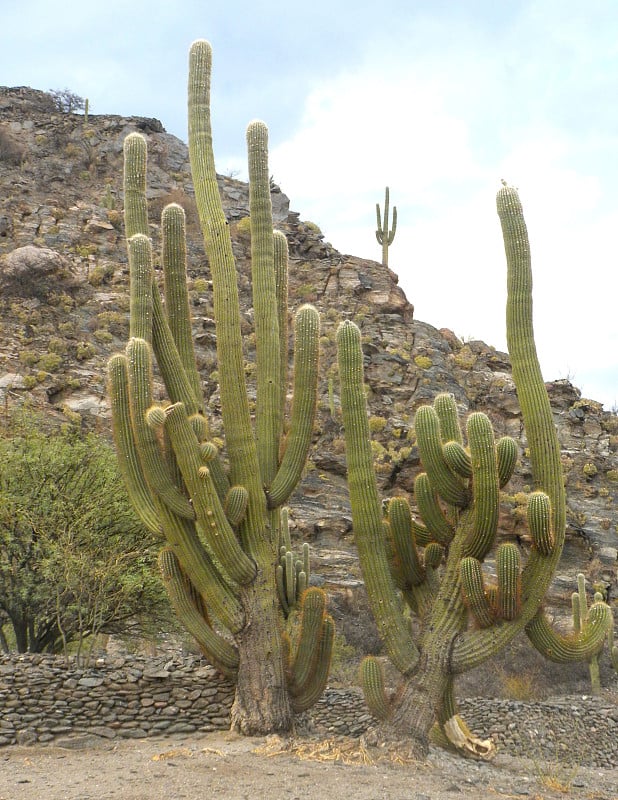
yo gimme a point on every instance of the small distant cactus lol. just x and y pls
(581, 612)
(383, 234)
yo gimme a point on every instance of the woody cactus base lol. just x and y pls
(221, 517)
(432, 564)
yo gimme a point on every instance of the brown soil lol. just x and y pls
(233, 768)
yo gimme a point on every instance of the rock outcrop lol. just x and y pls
(63, 279)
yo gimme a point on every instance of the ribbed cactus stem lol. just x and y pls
(174, 257)
(304, 402)
(372, 681)
(135, 204)
(366, 504)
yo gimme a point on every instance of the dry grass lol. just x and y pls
(336, 749)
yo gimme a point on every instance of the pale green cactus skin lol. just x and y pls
(434, 563)
(221, 520)
(384, 234)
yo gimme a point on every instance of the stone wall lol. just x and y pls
(42, 700)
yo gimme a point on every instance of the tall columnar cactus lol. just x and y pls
(383, 234)
(220, 518)
(435, 562)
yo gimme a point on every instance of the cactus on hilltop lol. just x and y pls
(220, 515)
(384, 235)
(434, 561)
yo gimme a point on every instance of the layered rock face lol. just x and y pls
(64, 302)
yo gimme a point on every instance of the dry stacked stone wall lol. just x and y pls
(43, 700)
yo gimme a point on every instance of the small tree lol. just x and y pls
(66, 101)
(74, 558)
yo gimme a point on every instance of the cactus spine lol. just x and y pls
(383, 234)
(436, 561)
(221, 521)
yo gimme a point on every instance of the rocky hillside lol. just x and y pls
(63, 295)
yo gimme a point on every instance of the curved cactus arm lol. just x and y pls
(448, 485)
(313, 613)
(458, 459)
(155, 467)
(222, 654)
(438, 526)
(135, 203)
(580, 647)
(128, 457)
(314, 688)
(236, 500)
(183, 537)
(174, 258)
(400, 524)
(506, 453)
(208, 509)
(372, 682)
(366, 504)
(266, 317)
(485, 486)
(307, 334)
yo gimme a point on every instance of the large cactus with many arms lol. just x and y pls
(221, 520)
(384, 234)
(434, 563)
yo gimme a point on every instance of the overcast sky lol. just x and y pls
(438, 99)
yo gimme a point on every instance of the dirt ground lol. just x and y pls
(229, 767)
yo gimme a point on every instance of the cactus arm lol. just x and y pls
(372, 682)
(155, 468)
(366, 505)
(141, 277)
(506, 453)
(563, 649)
(313, 689)
(241, 447)
(208, 509)
(221, 653)
(307, 332)
(128, 458)
(474, 592)
(174, 258)
(266, 317)
(457, 459)
(485, 487)
(440, 529)
(280, 254)
(135, 204)
(307, 676)
(509, 580)
(182, 536)
(449, 486)
(400, 521)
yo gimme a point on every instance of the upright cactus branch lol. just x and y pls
(383, 234)
(434, 563)
(221, 520)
